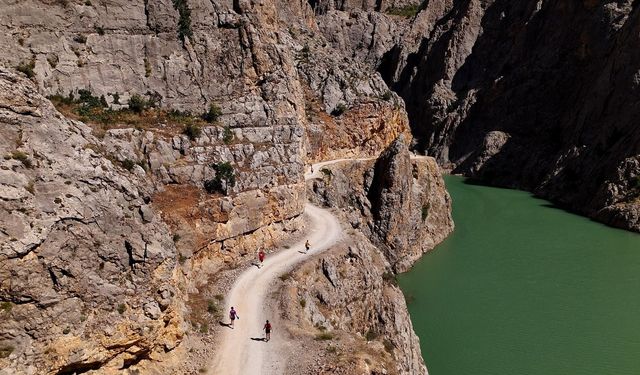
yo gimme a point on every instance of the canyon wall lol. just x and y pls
(540, 95)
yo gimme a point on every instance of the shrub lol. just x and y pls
(388, 345)
(225, 178)
(425, 212)
(24, 158)
(324, 336)
(227, 135)
(219, 297)
(181, 258)
(176, 237)
(339, 110)
(53, 61)
(27, 68)
(212, 307)
(80, 39)
(122, 308)
(303, 303)
(204, 327)
(184, 23)
(116, 98)
(147, 68)
(285, 276)
(137, 103)
(6, 350)
(212, 114)
(371, 335)
(100, 30)
(407, 11)
(192, 131)
(386, 96)
(128, 164)
(6, 306)
(326, 172)
(66, 331)
(390, 277)
(30, 187)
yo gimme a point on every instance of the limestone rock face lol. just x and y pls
(398, 209)
(399, 202)
(86, 267)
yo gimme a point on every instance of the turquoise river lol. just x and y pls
(523, 288)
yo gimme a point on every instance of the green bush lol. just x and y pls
(340, 109)
(137, 103)
(212, 307)
(128, 164)
(227, 135)
(184, 23)
(100, 30)
(204, 327)
(181, 258)
(371, 335)
(122, 308)
(6, 306)
(425, 212)
(22, 157)
(324, 336)
(212, 114)
(390, 277)
(176, 237)
(27, 68)
(116, 98)
(192, 131)
(6, 350)
(407, 11)
(224, 180)
(388, 345)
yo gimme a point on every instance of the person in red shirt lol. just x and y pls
(267, 331)
(261, 257)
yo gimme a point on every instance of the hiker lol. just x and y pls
(260, 257)
(306, 246)
(233, 315)
(267, 331)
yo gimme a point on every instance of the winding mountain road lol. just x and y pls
(239, 354)
(241, 351)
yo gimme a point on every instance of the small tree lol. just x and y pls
(192, 131)
(212, 114)
(224, 180)
(137, 103)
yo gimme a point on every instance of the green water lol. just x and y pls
(523, 288)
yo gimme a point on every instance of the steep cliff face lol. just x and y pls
(538, 95)
(351, 291)
(87, 268)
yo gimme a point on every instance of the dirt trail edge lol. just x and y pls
(239, 354)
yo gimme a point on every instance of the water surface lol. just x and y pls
(522, 288)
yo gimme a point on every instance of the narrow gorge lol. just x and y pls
(151, 147)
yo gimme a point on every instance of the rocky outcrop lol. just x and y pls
(86, 266)
(397, 209)
(398, 201)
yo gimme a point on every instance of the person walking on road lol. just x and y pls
(260, 257)
(233, 315)
(267, 331)
(307, 246)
